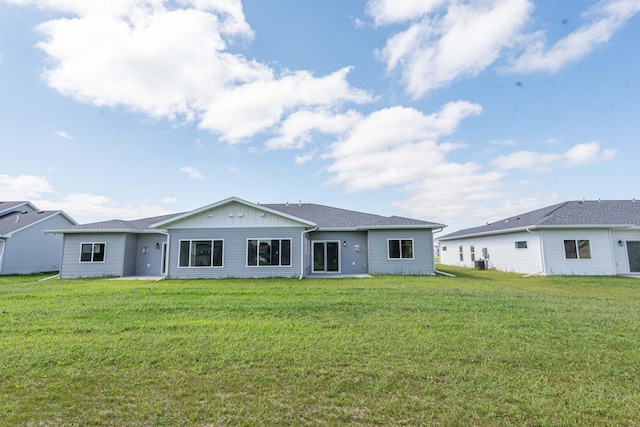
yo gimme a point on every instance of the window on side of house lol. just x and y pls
(201, 253)
(400, 248)
(268, 252)
(577, 249)
(473, 253)
(461, 250)
(521, 245)
(92, 252)
(444, 248)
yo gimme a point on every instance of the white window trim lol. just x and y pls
(577, 258)
(246, 254)
(200, 266)
(104, 258)
(400, 239)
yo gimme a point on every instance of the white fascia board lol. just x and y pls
(540, 227)
(227, 201)
(107, 231)
(401, 227)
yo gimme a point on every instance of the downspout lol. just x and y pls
(302, 249)
(544, 266)
(2, 245)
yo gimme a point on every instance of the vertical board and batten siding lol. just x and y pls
(234, 215)
(501, 249)
(351, 262)
(113, 260)
(234, 262)
(423, 262)
(620, 255)
(601, 262)
(31, 251)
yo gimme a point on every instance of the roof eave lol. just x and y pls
(538, 227)
(401, 227)
(227, 201)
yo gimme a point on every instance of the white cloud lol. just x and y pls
(582, 154)
(303, 158)
(246, 110)
(63, 134)
(461, 42)
(23, 187)
(543, 162)
(192, 172)
(385, 12)
(296, 130)
(171, 60)
(86, 207)
(610, 16)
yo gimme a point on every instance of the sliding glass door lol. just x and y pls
(326, 257)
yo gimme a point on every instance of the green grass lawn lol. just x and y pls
(482, 348)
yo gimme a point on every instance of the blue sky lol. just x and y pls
(458, 112)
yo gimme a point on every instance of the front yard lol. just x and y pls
(482, 348)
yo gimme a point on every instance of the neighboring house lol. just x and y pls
(572, 238)
(236, 238)
(24, 246)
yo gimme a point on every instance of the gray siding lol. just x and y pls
(423, 259)
(351, 262)
(130, 253)
(114, 256)
(150, 263)
(31, 251)
(234, 252)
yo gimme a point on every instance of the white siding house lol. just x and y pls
(571, 238)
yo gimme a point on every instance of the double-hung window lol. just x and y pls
(201, 253)
(92, 252)
(400, 248)
(577, 249)
(268, 252)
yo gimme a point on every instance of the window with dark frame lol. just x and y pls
(268, 252)
(400, 248)
(577, 249)
(92, 252)
(461, 250)
(201, 253)
(521, 244)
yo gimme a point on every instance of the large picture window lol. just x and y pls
(268, 252)
(92, 252)
(201, 253)
(400, 248)
(577, 249)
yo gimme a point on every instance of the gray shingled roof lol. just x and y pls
(6, 207)
(11, 221)
(120, 225)
(589, 213)
(326, 217)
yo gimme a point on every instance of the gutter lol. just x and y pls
(302, 249)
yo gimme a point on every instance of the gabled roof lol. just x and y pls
(327, 217)
(323, 217)
(117, 225)
(571, 214)
(6, 207)
(12, 221)
(264, 208)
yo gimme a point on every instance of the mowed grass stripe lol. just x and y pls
(482, 348)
